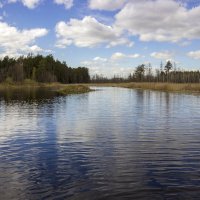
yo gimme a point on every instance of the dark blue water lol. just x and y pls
(109, 144)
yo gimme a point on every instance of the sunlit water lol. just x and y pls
(109, 144)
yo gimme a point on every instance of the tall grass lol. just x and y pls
(165, 86)
(63, 89)
(176, 87)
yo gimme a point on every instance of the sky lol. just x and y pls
(107, 36)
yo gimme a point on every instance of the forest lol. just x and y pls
(46, 69)
(40, 68)
(145, 73)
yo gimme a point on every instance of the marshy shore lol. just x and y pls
(62, 89)
(65, 89)
(168, 87)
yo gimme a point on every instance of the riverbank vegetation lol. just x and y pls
(45, 71)
(59, 88)
(171, 87)
(167, 73)
(167, 78)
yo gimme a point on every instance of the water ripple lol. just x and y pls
(109, 144)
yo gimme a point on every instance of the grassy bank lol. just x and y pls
(74, 89)
(63, 89)
(171, 87)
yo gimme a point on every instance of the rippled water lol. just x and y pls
(109, 144)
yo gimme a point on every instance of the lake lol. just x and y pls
(112, 143)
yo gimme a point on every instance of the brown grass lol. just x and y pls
(172, 87)
(63, 89)
(82, 88)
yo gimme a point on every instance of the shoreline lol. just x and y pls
(62, 89)
(163, 87)
(65, 89)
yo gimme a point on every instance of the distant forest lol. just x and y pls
(145, 73)
(46, 69)
(41, 69)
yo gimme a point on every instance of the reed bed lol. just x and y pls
(173, 87)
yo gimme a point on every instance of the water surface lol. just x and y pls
(109, 144)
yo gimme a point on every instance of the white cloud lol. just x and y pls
(107, 67)
(88, 32)
(119, 56)
(162, 55)
(67, 3)
(158, 20)
(114, 58)
(120, 41)
(31, 4)
(97, 61)
(194, 54)
(100, 59)
(109, 5)
(110, 66)
(111, 71)
(15, 42)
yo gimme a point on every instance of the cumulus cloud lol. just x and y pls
(31, 4)
(88, 32)
(109, 5)
(112, 5)
(162, 55)
(194, 54)
(158, 20)
(15, 42)
(67, 3)
(119, 56)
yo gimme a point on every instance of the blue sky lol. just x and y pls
(108, 36)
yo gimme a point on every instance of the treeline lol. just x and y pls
(145, 73)
(46, 69)
(41, 69)
(103, 79)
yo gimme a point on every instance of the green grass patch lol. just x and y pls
(74, 89)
